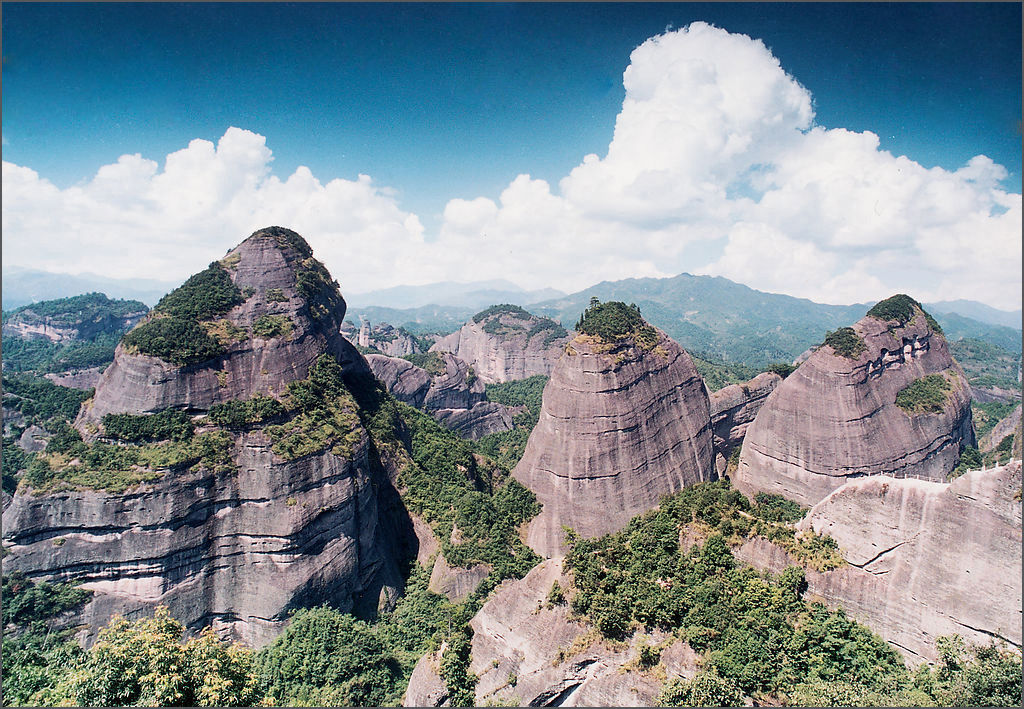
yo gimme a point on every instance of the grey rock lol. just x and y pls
(456, 583)
(484, 418)
(406, 382)
(136, 383)
(33, 439)
(835, 418)
(553, 659)
(508, 354)
(426, 688)
(81, 379)
(925, 558)
(734, 407)
(451, 389)
(619, 428)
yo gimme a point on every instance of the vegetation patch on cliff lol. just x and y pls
(901, 309)
(845, 342)
(507, 447)
(615, 321)
(169, 424)
(552, 331)
(431, 362)
(926, 395)
(504, 309)
(270, 326)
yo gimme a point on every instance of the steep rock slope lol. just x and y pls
(448, 391)
(531, 653)
(505, 342)
(733, 409)
(259, 515)
(81, 317)
(622, 423)
(287, 312)
(1009, 426)
(925, 558)
(836, 417)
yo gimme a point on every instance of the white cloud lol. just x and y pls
(715, 167)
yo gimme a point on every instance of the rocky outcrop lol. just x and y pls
(733, 409)
(835, 418)
(452, 395)
(406, 382)
(528, 652)
(925, 558)
(386, 339)
(456, 583)
(504, 343)
(620, 426)
(234, 550)
(83, 318)
(266, 268)
(241, 545)
(81, 379)
(1006, 427)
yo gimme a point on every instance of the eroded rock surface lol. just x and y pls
(1009, 426)
(925, 558)
(264, 265)
(835, 418)
(406, 382)
(530, 653)
(507, 344)
(733, 409)
(240, 546)
(620, 426)
(80, 379)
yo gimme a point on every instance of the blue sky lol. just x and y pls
(436, 102)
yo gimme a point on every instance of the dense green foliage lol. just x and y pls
(552, 331)
(41, 355)
(506, 447)
(70, 463)
(753, 629)
(901, 309)
(35, 655)
(174, 340)
(970, 459)
(783, 369)
(706, 689)
(270, 326)
(987, 415)
(327, 658)
(926, 395)
(204, 296)
(78, 309)
(986, 364)
(845, 342)
(718, 374)
(14, 461)
(614, 320)
(315, 284)
(776, 508)
(169, 424)
(40, 400)
(99, 320)
(431, 362)
(504, 309)
(236, 413)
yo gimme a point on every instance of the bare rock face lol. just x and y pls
(406, 382)
(733, 409)
(620, 426)
(835, 418)
(452, 396)
(456, 583)
(267, 268)
(505, 343)
(925, 558)
(81, 379)
(527, 652)
(241, 545)
(233, 550)
(27, 324)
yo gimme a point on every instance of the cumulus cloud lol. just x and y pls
(716, 166)
(134, 219)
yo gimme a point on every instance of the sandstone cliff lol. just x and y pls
(527, 652)
(268, 528)
(449, 392)
(621, 425)
(82, 317)
(733, 409)
(836, 418)
(504, 343)
(925, 558)
(281, 284)
(1009, 426)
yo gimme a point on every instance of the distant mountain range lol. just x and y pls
(709, 315)
(22, 286)
(476, 295)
